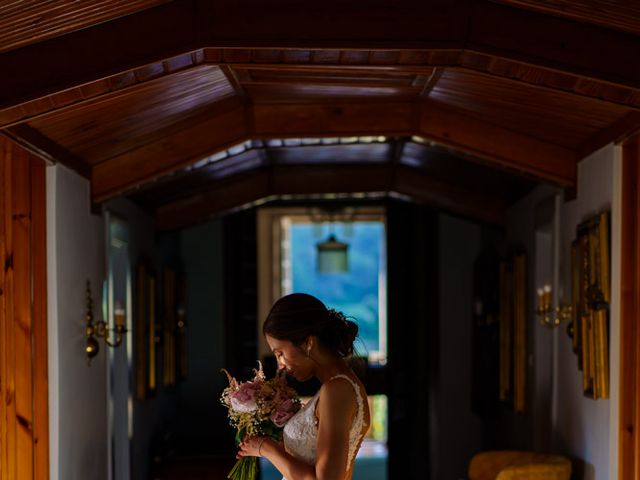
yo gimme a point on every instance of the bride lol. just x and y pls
(322, 439)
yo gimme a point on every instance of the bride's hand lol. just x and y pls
(252, 447)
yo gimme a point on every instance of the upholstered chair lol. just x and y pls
(519, 465)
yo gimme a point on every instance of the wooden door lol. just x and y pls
(24, 432)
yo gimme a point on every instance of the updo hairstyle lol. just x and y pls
(298, 316)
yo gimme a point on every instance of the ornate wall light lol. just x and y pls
(550, 316)
(101, 329)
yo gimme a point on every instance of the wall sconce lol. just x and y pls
(101, 329)
(550, 316)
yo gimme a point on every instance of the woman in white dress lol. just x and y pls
(320, 442)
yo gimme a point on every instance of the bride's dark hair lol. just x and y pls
(298, 316)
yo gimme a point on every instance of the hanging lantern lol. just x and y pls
(332, 256)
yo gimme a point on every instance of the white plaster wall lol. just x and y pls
(77, 391)
(583, 427)
(532, 430)
(563, 419)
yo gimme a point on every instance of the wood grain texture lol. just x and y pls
(629, 433)
(607, 13)
(23, 373)
(29, 21)
(435, 31)
(39, 321)
(555, 117)
(498, 145)
(149, 161)
(275, 181)
(98, 131)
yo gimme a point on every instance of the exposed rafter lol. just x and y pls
(492, 145)
(274, 181)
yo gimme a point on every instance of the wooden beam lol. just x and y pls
(148, 162)
(617, 132)
(554, 43)
(181, 26)
(222, 196)
(131, 82)
(90, 54)
(36, 143)
(425, 188)
(333, 119)
(278, 181)
(498, 146)
(493, 145)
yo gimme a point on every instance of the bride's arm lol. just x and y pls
(336, 409)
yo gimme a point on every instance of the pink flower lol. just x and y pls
(286, 408)
(244, 399)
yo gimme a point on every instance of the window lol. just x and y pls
(288, 263)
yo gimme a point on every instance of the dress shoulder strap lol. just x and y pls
(355, 387)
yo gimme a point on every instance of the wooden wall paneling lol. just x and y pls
(7, 358)
(22, 318)
(629, 432)
(23, 333)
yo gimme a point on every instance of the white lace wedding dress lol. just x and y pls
(301, 431)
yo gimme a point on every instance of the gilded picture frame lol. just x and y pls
(169, 327)
(146, 339)
(591, 295)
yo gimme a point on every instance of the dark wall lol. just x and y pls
(412, 335)
(201, 418)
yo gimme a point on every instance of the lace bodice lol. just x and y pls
(301, 431)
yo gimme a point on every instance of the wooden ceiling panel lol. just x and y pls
(101, 130)
(450, 166)
(556, 117)
(336, 154)
(314, 93)
(623, 15)
(282, 85)
(551, 79)
(29, 21)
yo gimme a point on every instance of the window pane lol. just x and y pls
(359, 292)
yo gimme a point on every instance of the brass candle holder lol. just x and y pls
(112, 336)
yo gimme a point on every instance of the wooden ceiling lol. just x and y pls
(139, 97)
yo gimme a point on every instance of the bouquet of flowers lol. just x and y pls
(258, 407)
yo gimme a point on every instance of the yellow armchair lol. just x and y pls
(519, 465)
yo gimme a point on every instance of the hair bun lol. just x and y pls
(297, 316)
(341, 332)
